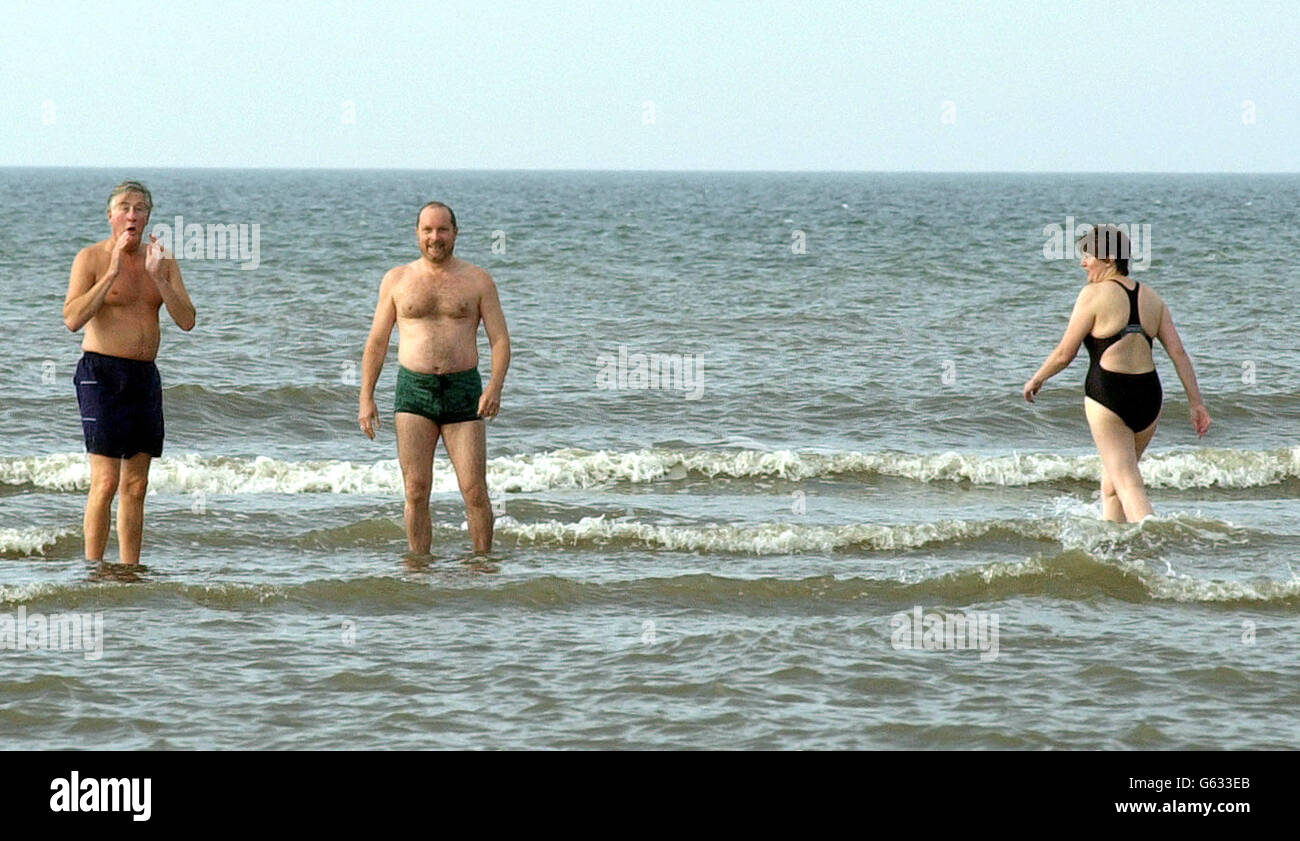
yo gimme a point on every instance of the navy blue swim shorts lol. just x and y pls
(121, 405)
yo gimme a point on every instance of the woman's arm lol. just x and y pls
(1081, 320)
(1168, 337)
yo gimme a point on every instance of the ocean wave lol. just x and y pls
(576, 468)
(1077, 529)
(1075, 574)
(1069, 575)
(1071, 526)
(763, 539)
(18, 543)
(219, 475)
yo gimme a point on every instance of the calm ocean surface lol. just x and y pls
(725, 562)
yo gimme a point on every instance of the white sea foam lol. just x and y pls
(1073, 531)
(767, 538)
(28, 541)
(574, 468)
(22, 593)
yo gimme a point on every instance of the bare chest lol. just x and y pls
(133, 288)
(421, 299)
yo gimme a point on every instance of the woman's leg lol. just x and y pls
(1118, 448)
(1111, 509)
(1144, 437)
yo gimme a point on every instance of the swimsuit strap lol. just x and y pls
(1134, 317)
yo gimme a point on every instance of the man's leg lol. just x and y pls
(467, 449)
(130, 506)
(104, 473)
(417, 437)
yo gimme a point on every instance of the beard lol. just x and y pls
(437, 252)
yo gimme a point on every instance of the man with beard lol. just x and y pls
(437, 302)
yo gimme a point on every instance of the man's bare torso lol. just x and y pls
(438, 315)
(127, 323)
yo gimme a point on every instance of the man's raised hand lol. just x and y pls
(153, 259)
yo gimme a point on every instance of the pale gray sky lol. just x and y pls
(893, 86)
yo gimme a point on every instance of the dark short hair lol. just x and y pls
(450, 212)
(131, 187)
(1107, 242)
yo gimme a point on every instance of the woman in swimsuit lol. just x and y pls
(1113, 317)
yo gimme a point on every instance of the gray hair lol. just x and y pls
(131, 187)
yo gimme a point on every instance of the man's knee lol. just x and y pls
(134, 488)
(418, 490)
(475, 493)
(104, 485)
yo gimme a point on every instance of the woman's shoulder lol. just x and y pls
(1088, 292)
(1149, 290)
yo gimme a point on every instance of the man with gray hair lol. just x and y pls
(115, 292)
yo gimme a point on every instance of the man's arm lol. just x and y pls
(166, 275)
(372, 360)
(85, 294)
(494, 321)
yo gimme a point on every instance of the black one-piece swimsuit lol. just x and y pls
(1135, 398)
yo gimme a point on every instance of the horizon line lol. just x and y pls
(667, 171)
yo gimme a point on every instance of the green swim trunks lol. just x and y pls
(442, 398)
